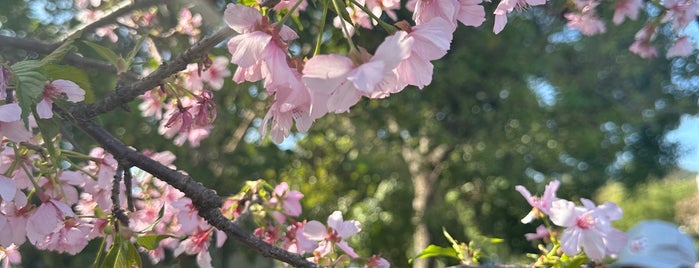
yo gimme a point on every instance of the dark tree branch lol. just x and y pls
(204, 199)
(127, 93)
(70, 58)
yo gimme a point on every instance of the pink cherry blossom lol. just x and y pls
(507, 6)
(11, 125)
(13, 222)
(188, 24)
(336, 233)
(288, 199)
(587, 22)
(83, 3)
(288, 4)
(541, 233)
(215, 74)
(541, 204)
(152, 104)
(681, 48)
(54, 226)
(188, 217)
(471, 13)
(295, 241)
(588, 227)
(10, 255)
(290, 104)
(377, 262)
(626, 9)
(255, 34)
(108, 31)
(680, 12)
(180, 120)
(197, 244)
(388, 6)
(337, 83)
(642, 45)
(192, 80)
(431, 41)
(57, 89)
(65, 188)
(426, 10)
(358, 18)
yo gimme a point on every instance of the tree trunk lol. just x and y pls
(424, 165)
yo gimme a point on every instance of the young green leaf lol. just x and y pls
(105, 52)
(30, 83)
(60, 52)
(155, 222)
(436, 251)
(150, 242)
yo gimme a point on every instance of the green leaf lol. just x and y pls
(105, 52)
(71, 73)
(150, 242)
(30, 82)
(49, 130)
(157, 220)
(60, 52)
(122, 254)
(495, 240)
(342, 8)
(133, 258)
(436, 251)
(134, 51)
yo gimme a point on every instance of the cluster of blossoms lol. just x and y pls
(275, 216)
(676, 13)
(58, 200)
(185, 107)
(587, 228)
(305, 89)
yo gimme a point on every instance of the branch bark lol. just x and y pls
(204, 199)
(73, 59)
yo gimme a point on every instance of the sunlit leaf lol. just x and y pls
(150, 242)
(105, 52)
(436, 251)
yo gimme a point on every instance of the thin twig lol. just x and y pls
(127, 93)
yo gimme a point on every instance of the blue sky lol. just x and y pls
(687, 136)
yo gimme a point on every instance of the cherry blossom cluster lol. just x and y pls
(332, 83)
(275, 215)
(587, 230)
(185, 107)
(677, 14)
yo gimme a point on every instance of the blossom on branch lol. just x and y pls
(540, 205)
(55, 90)
(588, 227)
(337, 82)
(336, 233)
(11, 125)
